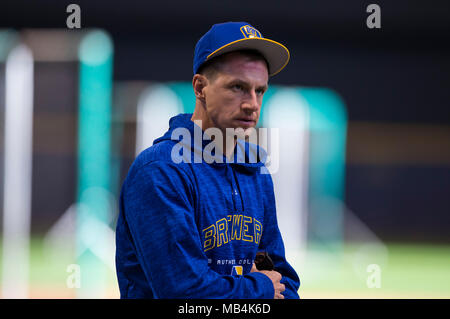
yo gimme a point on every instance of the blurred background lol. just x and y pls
(362, 162)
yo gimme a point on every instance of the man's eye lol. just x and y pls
(237, 87)
(260, 92)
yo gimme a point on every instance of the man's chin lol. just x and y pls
(241, 131)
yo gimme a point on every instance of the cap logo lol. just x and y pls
(250, 32)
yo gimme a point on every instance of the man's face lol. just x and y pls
(234, 97)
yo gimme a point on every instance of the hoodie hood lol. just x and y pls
(189, 135)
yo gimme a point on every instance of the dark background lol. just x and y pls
(398, 76)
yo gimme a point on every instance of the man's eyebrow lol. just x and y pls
(238, 81)
(244, 83)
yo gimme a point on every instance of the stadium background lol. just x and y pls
(391, 86)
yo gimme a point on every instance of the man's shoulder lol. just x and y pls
(156, 156)
(160, 152)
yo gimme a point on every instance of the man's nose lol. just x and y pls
(251, 104)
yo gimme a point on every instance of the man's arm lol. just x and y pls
(158, 207)
(272, 243)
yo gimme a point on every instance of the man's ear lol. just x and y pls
(199, 82)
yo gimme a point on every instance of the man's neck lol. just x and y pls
(226, 145)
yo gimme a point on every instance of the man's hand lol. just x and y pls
(275, 277)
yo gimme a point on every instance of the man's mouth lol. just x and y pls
(246, 121)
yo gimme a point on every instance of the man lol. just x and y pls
(191, 228)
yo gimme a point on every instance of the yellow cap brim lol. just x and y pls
(276, 54)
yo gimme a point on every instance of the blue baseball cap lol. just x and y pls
(234, 36)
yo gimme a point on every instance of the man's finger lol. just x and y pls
(279, 296)
(277, 275)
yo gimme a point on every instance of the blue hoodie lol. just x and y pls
(192, 230)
